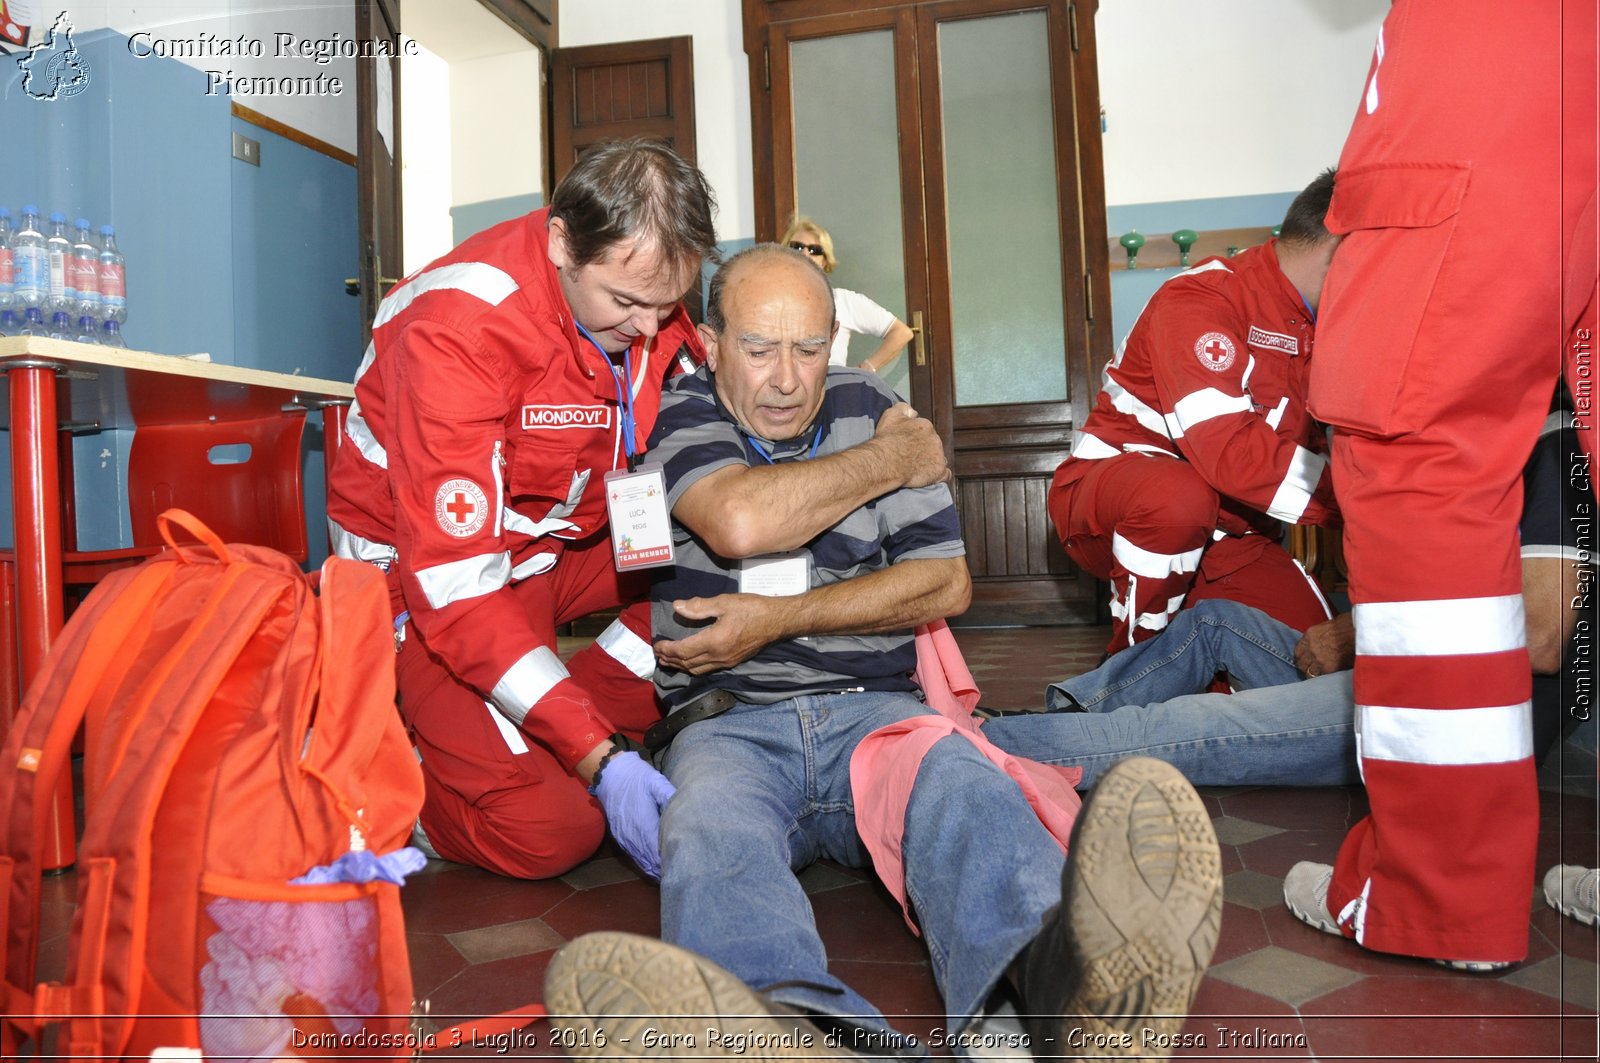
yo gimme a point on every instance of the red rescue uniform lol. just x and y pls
(1458, 284)
(1198, 446)
(482, 428)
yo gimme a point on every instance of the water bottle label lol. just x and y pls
(32, 272)
(113, 285)
(58, 275)
(8, 272)
(86, 278)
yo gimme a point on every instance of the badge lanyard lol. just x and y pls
(766, 455)
(781, 574)
(624, 385)
(1307, 304)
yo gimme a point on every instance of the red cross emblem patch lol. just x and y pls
(460, 507)
(1215, 351)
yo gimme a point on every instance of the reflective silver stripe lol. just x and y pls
(525, 526)
(1201, 406)
(1125, 401)
(352, 547)
(525, 682)
(628, 649)
(1499, 734)
(1327, 610)
(1146, 448)
(1555, 422)
(1289, 502)
(553, 521)
(1275, 418)
(1148, 563)
(1204, 267)
(1440, 628)
(1093, 448)
(489, 283)
(1576, 554)
(471, 577)
(356, 428)
(515, 740)
(534, 565)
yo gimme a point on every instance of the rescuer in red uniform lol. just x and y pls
(1466, 204)
(1200, 445)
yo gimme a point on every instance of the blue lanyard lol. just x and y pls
(1305, 303)
(816, 441)
(624, 385)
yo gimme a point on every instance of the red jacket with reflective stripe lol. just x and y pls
(1215, 372)
(482, 428)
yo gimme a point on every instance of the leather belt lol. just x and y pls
(663, 731)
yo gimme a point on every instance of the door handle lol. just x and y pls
(352, 285)
(919, 351)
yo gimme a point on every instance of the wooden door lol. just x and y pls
(378, 158)
(984, 113)
(631, 89)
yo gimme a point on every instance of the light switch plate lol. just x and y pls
(246, 150)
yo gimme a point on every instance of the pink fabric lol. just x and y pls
(884, 766)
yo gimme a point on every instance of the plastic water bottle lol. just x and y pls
(111, 335)
(85, 271)
(10, 324)
(58, 250)
(113, 279)
(61, 326)
(8, 273)
(87, 333)
(29, 263)
(33, 323)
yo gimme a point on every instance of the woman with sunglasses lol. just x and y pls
(856, 313)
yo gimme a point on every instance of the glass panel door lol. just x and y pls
(847, 168)
(1007, 337)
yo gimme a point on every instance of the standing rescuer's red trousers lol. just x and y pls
(1460, 282)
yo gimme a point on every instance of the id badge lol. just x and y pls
(641, 528)
(776, 575)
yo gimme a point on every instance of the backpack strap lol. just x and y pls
(37, 749)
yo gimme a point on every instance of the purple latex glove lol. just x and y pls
(365, 866)
(633, 794)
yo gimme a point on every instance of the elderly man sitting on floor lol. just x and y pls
(785, 633)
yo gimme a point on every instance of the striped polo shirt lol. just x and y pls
(694, 436)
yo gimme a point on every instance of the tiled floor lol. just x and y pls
(1276, 989)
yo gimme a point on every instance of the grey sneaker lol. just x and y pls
(622, 996)
(1305, 891)
(1574, 892)
(1116, 967)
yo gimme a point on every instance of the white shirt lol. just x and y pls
(856, 313)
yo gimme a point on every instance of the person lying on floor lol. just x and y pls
(763, 777)
(1291, 720)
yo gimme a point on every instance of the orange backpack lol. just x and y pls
(240, 730)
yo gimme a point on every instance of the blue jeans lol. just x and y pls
(1276, 730)
(764, 790)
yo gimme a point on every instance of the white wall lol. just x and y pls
(425, 159)
(495, 127)
(184, 22)
(1208, 98)
(721, 84)
(1204, 98)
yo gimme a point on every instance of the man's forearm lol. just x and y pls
(741, 512)
(742, 625)
(891, 599)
